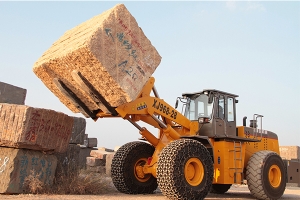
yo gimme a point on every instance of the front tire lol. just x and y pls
(185, 170)
(266, 176)
(124, 169)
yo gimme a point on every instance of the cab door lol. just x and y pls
(219, 116)
(224, 120)
(230, 116)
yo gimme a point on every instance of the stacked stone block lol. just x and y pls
(27, 136)
(290, 152)
(91, 142)
(34, 128)
(16, 165)
(68, 162)
(100, 160)
(12, 94)
(83, 154)
(78, 131)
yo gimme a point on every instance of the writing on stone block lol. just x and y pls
(138, 70)
(27, 165)
(37, 124)
(3, 163)
(147, 59)
(40, 168)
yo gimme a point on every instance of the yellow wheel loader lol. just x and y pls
(196, 151)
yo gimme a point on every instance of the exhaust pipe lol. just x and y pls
(244, 121)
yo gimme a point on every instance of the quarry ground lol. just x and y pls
(236, 192)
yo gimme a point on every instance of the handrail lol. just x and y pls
(256, 130)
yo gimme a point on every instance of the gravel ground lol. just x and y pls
(236, 192)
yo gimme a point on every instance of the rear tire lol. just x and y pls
(185, 170)
(220, 188)
(266, 176)
(123, 169)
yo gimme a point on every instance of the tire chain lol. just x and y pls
(170, 170)
(120, 166)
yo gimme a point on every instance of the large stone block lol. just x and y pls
(68, 162)
(17, 164)
(91, 142)
(78, 131)
(83, 154)
(290, 152)
(110, 50)
(109, 158)
(100, 154)
(12, 94)
(93, 161)
(34, 128)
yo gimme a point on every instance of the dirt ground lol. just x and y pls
(236, 192)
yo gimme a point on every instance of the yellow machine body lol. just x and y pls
(230, 157)
(194, 152)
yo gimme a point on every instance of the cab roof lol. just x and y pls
(209, 91)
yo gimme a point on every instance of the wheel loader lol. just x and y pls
(196, 151)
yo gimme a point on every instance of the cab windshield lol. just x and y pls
(198, 106)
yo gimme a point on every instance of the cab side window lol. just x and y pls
(230, 109)
(221, 107)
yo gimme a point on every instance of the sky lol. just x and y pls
(248, 48)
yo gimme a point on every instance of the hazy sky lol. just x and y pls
(251, 49)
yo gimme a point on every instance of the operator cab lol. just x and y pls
(214, 110)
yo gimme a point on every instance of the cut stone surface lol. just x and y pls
(110, 50)
(12, 94)
(68, 162)
(91, 142)
(290, 152)
(92, 161)
(84, 152)
(34, 128)
(78, 131)
(18, 164)
(100, 154)
(108, 162)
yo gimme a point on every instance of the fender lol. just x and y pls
(205, 141)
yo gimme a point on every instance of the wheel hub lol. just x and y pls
(194, 171)
(274, 176)
(139, 172)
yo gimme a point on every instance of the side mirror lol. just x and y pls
(176, 104)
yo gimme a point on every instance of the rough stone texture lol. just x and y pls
(100, 154)
(105, 149)
(109, 158)
(12, 94)
(86, 136)
(290, 152)
(111, 52)
(78, 131)
(17, 164)
(68, 162)
(91, 142)
(34, 128)
(293, 173)
(83, 154)
(92, 161)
